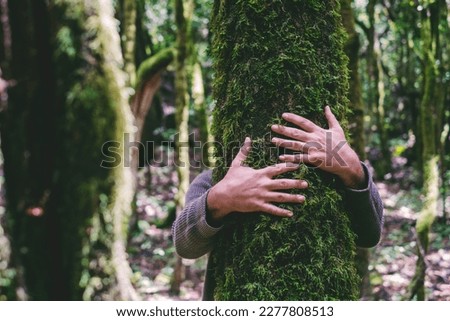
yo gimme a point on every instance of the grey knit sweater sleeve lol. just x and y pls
(365, 208)
(194, 237)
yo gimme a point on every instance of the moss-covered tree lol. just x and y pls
(376, 91)
(183, 19)
(200, 107)
(66, 214)
(356, 124)
(431, 108)
(273, 57)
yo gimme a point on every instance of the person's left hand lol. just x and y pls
(326, 149)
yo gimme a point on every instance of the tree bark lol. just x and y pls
(198, 95)
(356, 124)
(148, 82)
(274, 57)
(130, 40)
(376, 89)
(356, 127)
(183, 17)
(68, 214)
(430, 107)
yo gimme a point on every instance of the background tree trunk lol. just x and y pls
(376, 90)
(430, 107)
(129, 26)
(68, 231)
(147, 84)
(356, 126)
(183, 17)
(198, 95)
(275, 57)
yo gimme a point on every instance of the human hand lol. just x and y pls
(244, 189)
(326, 149)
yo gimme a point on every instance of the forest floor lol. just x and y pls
(392, 263)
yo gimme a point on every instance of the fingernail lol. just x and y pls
(301, 198)
(304, 184)
(290, 214)
(284, 115)
(247, 139)
(282, 157)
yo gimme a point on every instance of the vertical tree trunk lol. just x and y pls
(198, 95)
(28, 140)
(183, 16)
(376, 89)
(274, 57)
(442, 33)
(68, 214)
(356, 126)
(130, 40)
(429, 112)
(148, 81)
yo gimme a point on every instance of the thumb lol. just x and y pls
(243, 153)
(332, 121)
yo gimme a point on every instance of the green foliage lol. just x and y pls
(274, 57)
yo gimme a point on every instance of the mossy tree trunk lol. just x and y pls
(143, 81)
(67, 214)
(376, 93)
(273, 57)
(183, 17)
(430, 110)
(356, 124)
(129, 26)
(148, 81)
(198, 96)
(352, 45)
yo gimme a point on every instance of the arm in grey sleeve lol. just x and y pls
(192, 235)
(366, 212)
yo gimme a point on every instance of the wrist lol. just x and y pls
(354, 178)
(216, 208)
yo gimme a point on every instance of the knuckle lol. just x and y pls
(280, 197)
(284, 184)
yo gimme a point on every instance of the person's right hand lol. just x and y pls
(245, 190)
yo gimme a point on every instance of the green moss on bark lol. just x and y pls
(273, 57)
(153, 65)
(70, 102)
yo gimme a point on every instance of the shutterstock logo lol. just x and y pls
(328, 153)
(120, 153)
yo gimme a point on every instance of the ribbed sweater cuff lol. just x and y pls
(368, 185)
(204, 229)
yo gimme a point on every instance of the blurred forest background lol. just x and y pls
(83, 81)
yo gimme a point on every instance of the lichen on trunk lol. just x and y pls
(430, 106)
(273, 57)
(67, 215)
